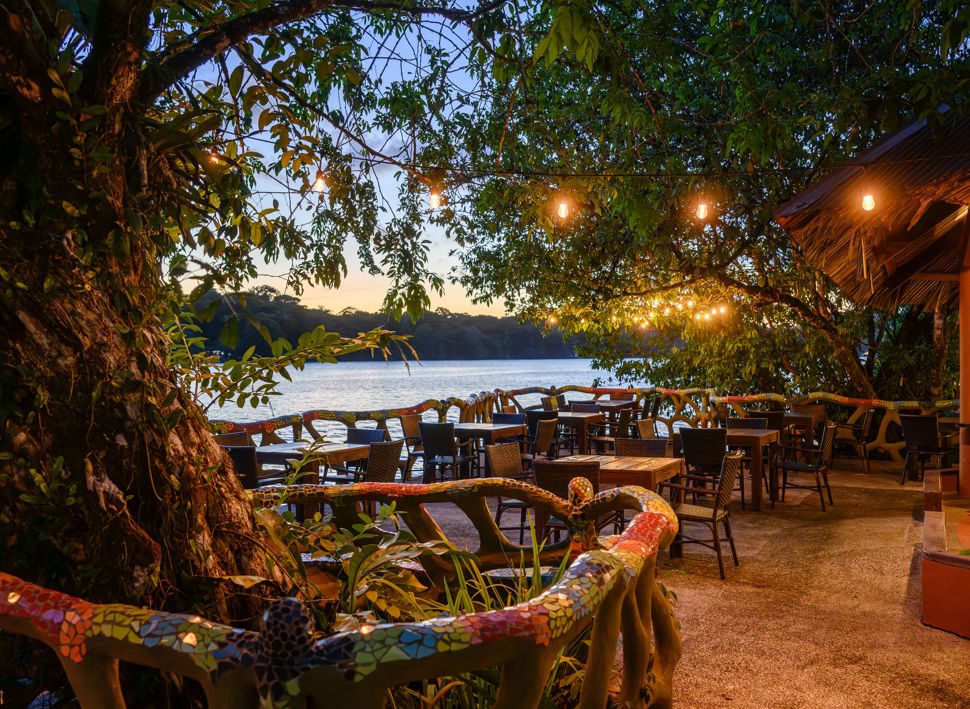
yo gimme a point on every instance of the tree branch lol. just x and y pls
(209, 42)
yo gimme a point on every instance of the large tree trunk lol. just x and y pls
(110, 485)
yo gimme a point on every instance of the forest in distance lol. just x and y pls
(437, 335)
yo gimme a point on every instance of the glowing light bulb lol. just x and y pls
(868, 203)
(713, 311)
(214, 155)
(707, 316)
(319, 182)
(722, 309)
(563, 209)
(666, 311)
(690, 303)
(702, 210)
(551, 319)
(697, 316)
(434, 199)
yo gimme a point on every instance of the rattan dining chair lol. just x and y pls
(815, 462)
(505, 461)
(410, 426)
(549, 403)
(923, 442)
(641, 448)
(856, 436)
(383, 460)
(236, 438)
(554, 476)
(443, 452)
(604, 435)
(545, 444)
(710, 517)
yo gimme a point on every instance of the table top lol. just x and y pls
(302, 447)
(737, 435)
(577, 416)
(624, 462)
(471, 427)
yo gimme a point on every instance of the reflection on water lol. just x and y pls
(360, 386)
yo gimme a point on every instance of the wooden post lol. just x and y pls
(965, 365)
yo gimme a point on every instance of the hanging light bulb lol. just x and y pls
(551, 319)
(702, 211)
(562, 209)
(868, 202)
(707, 316)
(319, 182)
(434, 198)
(690, 303)
(722, 309)
(666, 311)
(713, 311)
(214, 156)
(697, 316)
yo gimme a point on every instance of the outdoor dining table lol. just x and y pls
(326, 453)
(580, 423)
(489, 432)
(612, 405)
(632, 470)
(756, 440)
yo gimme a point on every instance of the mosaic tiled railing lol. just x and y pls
(610, 582)
(691, 407)
(477, 407)
(886, 438)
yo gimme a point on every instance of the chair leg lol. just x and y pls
(818, 488)
(717, 548)
(864, 449)
(741, 485)
(784, 483)
(522, 525)
(903, 475)
(828, 488)
(730, 538)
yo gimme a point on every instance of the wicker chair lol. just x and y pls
(923, 442)
(410, 426)
(711, 517)
(641, 448)
(549, 403)
(366, 435)
(646, 428)
(856, 436)
(554, 476)
(545, 443)
(237, 438)
(611, 431)
(584, 407)
(505, 461)
(442, 451)
(816, 463)
(514, 418)
(704, 449)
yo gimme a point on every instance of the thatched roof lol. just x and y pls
(910, 247)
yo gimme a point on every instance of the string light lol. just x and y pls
(723, 309)
(319, 182)
(868, 202)
(434, 198)
(214, 156)
(702, 211)
(562, 209)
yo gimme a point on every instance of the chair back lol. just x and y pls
(920, 431)
(584, 407)
(747, 422)
(238, 438)
(244, 461)
(508, 418)
(366, 435)
(545, 438)
(383, 460)
(410, 425)
(438, 438)
(816, 411)
(641, 447)
(774, 420)
(504, 460)
(549, 403)
(827, 444)
(865, 426)
(509, 409)
(554, 475)
(561, 402)
(647, 428)
(533, 416)
(623, 420)
(704, 447)
(730, 466)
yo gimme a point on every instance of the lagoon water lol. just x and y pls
(379, 385)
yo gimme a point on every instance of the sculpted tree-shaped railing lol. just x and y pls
(477, 407)
(886, 438)
(610, 585)
(691, 407)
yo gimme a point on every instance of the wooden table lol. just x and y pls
(325, 453)
(489, 432)
(580, 423)
(755, 440)
(630, 470)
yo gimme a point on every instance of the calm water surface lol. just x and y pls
(379, 385)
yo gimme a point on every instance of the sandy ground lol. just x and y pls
(823, 611)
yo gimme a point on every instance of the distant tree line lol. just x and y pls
(437, 335)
